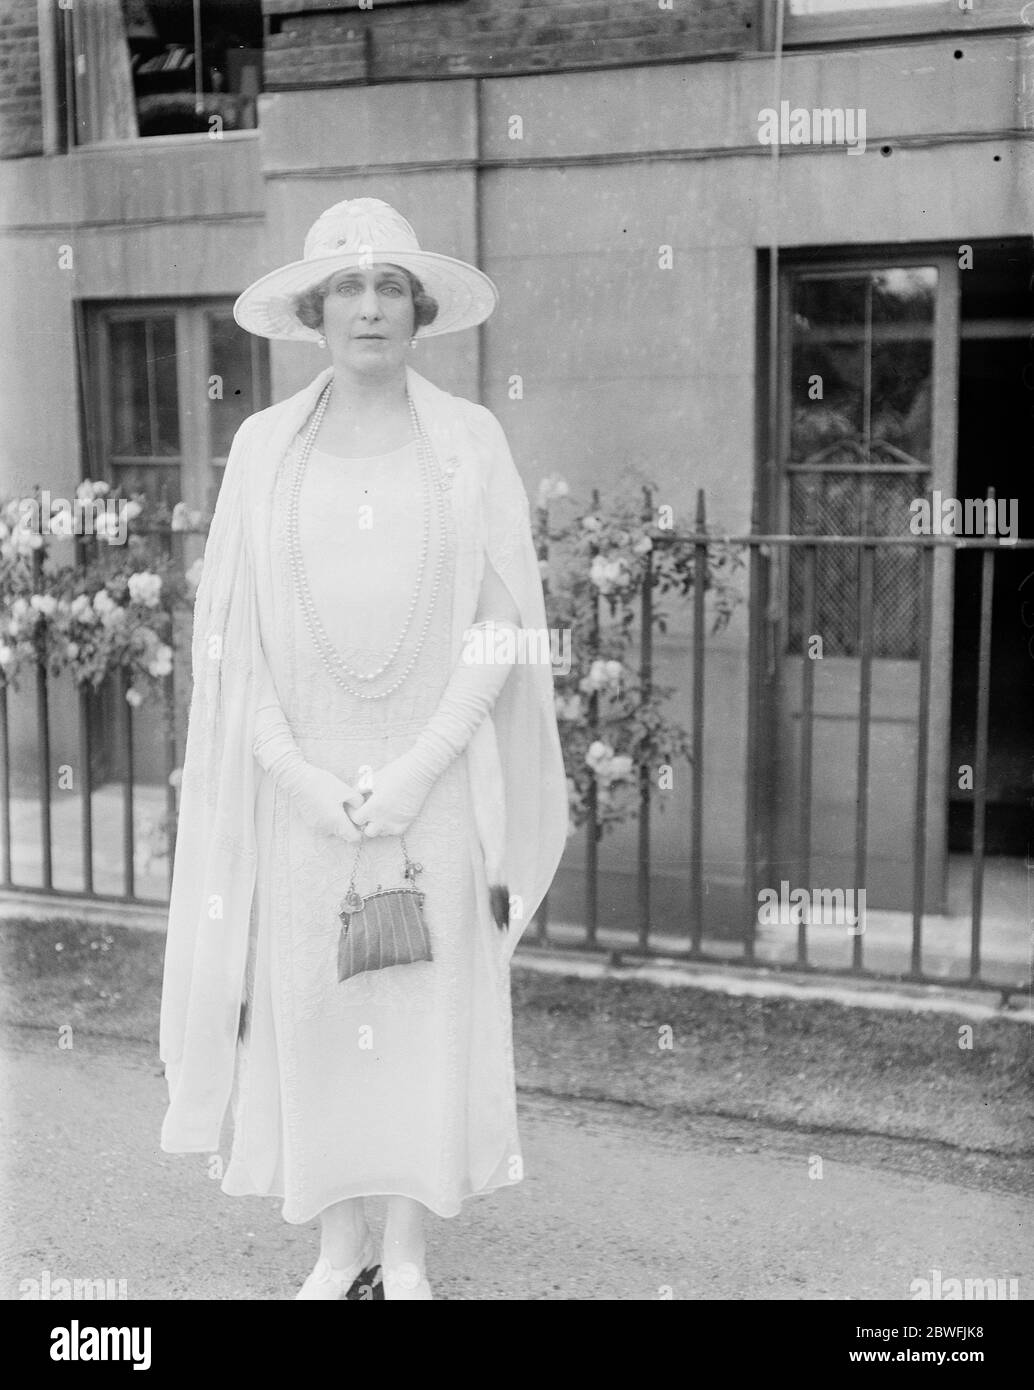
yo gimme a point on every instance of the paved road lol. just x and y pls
(619, 1203)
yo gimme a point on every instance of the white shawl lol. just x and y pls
(515, 764)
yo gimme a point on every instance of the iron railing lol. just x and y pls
(763, 552)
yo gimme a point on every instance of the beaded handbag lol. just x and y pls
(382, 928)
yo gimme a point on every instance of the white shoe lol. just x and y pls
(327, 1282)
(405, 1281)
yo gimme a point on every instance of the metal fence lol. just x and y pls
(764, 553)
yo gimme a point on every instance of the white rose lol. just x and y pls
(145, 588)
(44, 603)
(598, 753)
(598, 573)
(134, 698)
(550, 488)
(161, 663)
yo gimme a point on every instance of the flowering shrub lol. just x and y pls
(598, 561)
(114, 611)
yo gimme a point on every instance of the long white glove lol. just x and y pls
(318, 795)
(401, 786)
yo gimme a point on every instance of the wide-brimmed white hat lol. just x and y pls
(364, 232)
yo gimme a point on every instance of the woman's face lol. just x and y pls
(368, 317)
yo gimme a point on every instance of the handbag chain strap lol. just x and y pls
(353, 900)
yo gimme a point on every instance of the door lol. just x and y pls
(865, 426)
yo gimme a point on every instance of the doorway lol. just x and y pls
(995, 435)
(866, 424)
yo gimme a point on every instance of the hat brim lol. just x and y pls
(465, 295)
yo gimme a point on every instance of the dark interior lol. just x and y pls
(163, 47)
(995, 435)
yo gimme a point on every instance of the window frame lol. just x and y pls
(945, 338)
(58, 135)
(200, 469)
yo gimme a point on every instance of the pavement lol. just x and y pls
(619, 1202)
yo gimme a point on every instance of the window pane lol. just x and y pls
(144, 395)
(861, 362)
(160, 483)
(165, 385)
(861, 411)
(130, 429)
(230, 359)
(166, 66)
(904, 294)
(902, 395)
(829, 356)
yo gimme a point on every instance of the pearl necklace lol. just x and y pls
(332, 659)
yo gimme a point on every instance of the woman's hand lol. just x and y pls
(320, 799)
(398, 793)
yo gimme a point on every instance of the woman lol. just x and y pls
(344, 736)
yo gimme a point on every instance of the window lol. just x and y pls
(834, 21)
(858, 432)
(128, 68)
(846, 6)
(168, 385)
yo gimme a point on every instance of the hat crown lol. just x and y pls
(361, 225)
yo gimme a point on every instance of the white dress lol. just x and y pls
(400, 1080)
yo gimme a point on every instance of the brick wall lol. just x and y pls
(21, 111)
(452, 38)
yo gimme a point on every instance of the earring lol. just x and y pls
(412, 341)
(322, 341)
